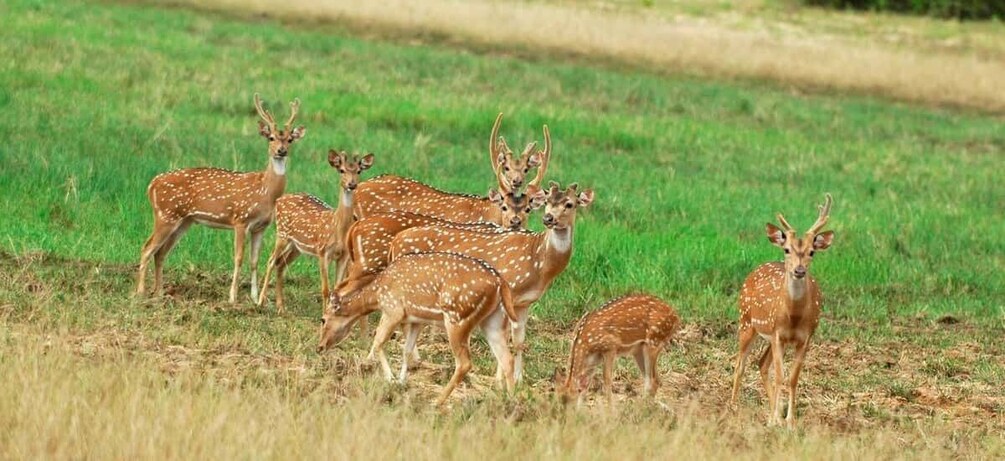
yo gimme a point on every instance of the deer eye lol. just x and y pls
(506, 168)
(504, 208)
(787, 251)
(568, 205)
(811, 253)
(322, 320)
(526, 169)
(528, 209)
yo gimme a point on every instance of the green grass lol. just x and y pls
(97, 98)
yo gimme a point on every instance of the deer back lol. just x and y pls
(215, 196)
(517, 255)
(369, 239)
(434, 285)
(388, 193)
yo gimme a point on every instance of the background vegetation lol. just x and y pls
(96, 98)
(959, 9)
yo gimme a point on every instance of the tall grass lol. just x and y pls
(63, 401)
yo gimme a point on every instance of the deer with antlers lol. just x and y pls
(640, 325)
(388, 193)
(528, 261)
(223, 199)
(305, 224)
(780, 302)
(456, 291)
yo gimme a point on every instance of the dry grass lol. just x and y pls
(112, 398)
(802, 59)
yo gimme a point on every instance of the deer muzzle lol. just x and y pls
(799, 272)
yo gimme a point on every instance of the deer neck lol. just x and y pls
(362, 301)
(555, 248)
(342, 218)
(275, 177)
(797, 293)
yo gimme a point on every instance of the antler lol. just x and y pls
(264, 113)
(825, 211)
(294, 108)
(493, 146)
(545, 157)
(785, 224)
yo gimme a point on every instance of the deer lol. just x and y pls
(218, 198)
(780, 302)
(639, 325)
(456, 291)
(528, 261)
(389, 193)
(306, 224)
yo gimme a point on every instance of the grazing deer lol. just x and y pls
(222, 199)
(512, 170)
(528, 261)
(432, 288)
(780, 302)
(640, 325)
(305, 224)
(389, 193)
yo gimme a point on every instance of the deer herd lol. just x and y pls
(421, 256)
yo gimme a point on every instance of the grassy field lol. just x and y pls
(96, 98)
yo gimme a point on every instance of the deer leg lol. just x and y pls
(412, 334)
(277, 251)
(323, 264)
(747, 336)
(162, 231)
(764, 365)
(519, 335)
(797, 366)
(609, 358)
(652, 354)
(240, 233)
(162, 253)
(256, 248)
(341, 267)
(495, 334)
(384, 330)
(639, 354)
(459, 342)
(408, 348)
(776, 356)
(285, 259)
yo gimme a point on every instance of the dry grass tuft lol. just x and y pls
(678, 45)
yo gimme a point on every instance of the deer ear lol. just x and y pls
(822, 241)
(495, 196)
(500, 159)
(335, 159)
(298, 133)
(537, 197)
(775, 235)
(534, 160)
(585, 198)
(366, 162)
(263, 129)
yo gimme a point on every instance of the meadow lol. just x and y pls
(98, 97)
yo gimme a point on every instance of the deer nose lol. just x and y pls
(800, 272)
(549, 218)
(281, 151)
(351, 186)
(517, 182)
(515, 221)
(321, 349)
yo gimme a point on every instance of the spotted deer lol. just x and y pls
(305, 224)
(222, 199)
(388, 193)
(639, 325)
(528, 261)
(780, 302)
(433, 288)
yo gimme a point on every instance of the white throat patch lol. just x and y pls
(560, 241)
(279, 166)
(346, 199)
(796, 287)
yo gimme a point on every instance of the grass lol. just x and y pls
(920, 61)
(96, 98)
